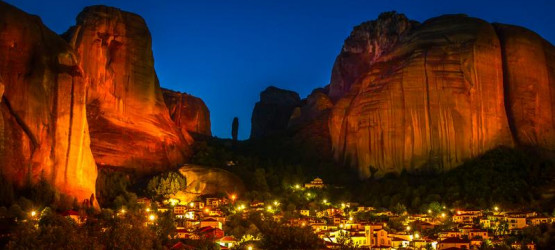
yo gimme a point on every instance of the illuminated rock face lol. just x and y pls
(189, 113)
(130, 126)
(204, 180)
(43, 126)
(529, 75)
(427, 95)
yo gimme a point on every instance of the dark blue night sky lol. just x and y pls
(226, 52)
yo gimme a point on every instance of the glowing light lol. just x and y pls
(151, 217)
(343, 205)
(304, 224)
(408, 228)
(297, 186)
(459, 212)
(269, 208)
(233, 197)
(249, 247)
(33, 213)
(173, 202)
(341, 225)
(122, 211)
(207, 210)
(148, 209)
(416, 235)
(325, 201)
(443, 215)
(429, 211)
(496, 208)
(351, 218)
(191, 204)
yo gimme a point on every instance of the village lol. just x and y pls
(339, 224)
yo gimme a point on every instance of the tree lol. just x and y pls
(235, 129)
(399, 209)
(166, 184)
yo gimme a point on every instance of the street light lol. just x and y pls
(33, 213)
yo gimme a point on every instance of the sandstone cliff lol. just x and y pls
(271, 114)
(431, 95)
(43, 126)
(203, 180)
(130, 126)
(529, 76)
(189, 113)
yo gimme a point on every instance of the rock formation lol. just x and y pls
(529, 75)
(413, 96)
(43, 127)
(271, 114)
(130, 126)
(309, 122)
(205, 180)
(189, 113)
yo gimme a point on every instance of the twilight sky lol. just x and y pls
(226, 52)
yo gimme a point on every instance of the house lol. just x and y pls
(316, 183)
(478, 234)
(179, 211)
(210, 223)
(516, 223)
(397, 242)
(485, 223)
(227, 241)
(210, 233)
(196, 205)
(182, 233)
(145, 202)
(449, 234)
(454, 243)
(538, 220)
(359, 239)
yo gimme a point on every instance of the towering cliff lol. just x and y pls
(130, 126)
(430, 95)
(189, 113)
(529, 75)
(43, 126)
(271, 114)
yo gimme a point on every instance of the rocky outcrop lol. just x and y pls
(130, 126)
(430, 97)
(529, 75)
(272, 113)
(203, 180)
(43, 127)
(367, 43)
(309, 122)
(189, 113)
